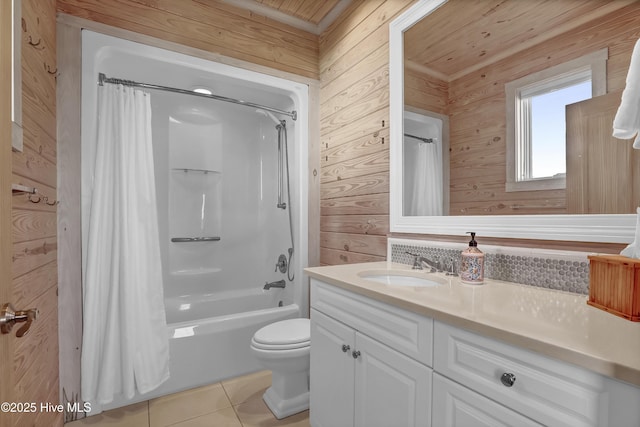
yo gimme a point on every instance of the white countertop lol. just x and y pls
(554, 323)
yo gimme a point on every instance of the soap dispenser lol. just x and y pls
(472, 263)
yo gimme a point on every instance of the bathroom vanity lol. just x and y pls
(463, 355)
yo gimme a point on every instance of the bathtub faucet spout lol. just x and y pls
(278, 284)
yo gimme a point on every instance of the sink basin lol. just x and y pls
(402, 278)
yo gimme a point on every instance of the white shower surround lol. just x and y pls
(231, 272)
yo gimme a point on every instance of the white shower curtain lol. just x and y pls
(426, 197)
(125, 345)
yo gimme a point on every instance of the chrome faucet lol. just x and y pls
(278, 284)
(419, 260)
(450, 268)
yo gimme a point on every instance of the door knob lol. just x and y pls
(9, 317)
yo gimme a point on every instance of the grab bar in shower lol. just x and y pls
(194, 239)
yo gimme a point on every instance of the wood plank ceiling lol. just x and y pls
(313, 11)
(463, 39)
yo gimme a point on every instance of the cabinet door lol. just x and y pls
(391, 389)
(332, 373)
(457, 406)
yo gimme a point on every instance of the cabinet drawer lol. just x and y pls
(404, 331)
(548, 391)
(457, 406)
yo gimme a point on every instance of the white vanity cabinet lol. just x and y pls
(375, 364)
(363, 367)
(546, 390)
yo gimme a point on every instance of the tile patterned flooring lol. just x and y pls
(232, 403)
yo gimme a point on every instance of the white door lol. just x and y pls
(391, 389)
(332, 374)
(458, 406)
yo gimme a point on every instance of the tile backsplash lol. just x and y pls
(560, 270)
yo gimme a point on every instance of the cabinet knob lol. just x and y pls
(355, 354)
(508, 379)
(345, 348)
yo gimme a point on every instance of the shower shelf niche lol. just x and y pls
(195, 205)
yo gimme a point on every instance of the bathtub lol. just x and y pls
(209, 337)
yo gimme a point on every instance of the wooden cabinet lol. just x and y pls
(360, 381)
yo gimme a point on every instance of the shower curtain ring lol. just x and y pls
(32, 197)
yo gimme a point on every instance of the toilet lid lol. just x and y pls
(284, 333)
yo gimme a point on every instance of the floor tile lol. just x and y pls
(255, 413)
(247, 387)
(186, 405)
(209, 406)
(129, 416)
(222, 418)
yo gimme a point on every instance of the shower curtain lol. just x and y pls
(426, 197)
(125, 345)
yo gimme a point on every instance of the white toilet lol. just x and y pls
(283, 347)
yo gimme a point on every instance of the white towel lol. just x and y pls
(626, 124)
(633, 250)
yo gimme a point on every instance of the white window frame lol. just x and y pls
(593, 65)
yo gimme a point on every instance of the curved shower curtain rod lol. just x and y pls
(422, 139)
(104, 79)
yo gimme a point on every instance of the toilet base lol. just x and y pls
(282, 408)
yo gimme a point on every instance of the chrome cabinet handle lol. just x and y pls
(508, 379)
(9, 317)
(355, 354)
(345, 348)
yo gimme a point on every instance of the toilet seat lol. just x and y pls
(278, 347)
(283, 335)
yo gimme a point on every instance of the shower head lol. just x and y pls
(269, 115)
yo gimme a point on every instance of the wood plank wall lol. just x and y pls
(209, 25)
(354, 132)
(35, 361)
(477, 111)
(425, 92)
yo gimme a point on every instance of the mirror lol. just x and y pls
(447, 76)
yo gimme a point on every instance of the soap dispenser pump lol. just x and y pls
(472, 263)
